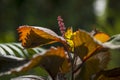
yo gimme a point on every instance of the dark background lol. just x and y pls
(76, 13)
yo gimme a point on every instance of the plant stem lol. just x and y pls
(72, 69)
(71, 60)
(79, 66)
(72, 65)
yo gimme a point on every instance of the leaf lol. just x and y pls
(32, 36)
(9, 64)
(68, 37)
(10, 52)
(100, 36)
(93, 65)
(68, 33)
(52, 61)
(84, 44)
(17, 50)
(113, 42)
(113, 74)
(28, 77)
(66, 66)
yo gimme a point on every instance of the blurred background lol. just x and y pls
(83, 14)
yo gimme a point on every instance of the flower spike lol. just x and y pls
(61, 25)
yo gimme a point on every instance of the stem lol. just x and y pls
(72, 64)
(71, 59)
(79, 66)
(72, 69)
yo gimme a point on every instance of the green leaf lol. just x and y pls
(113, 74)
(93, 65)
(28, 77)
(113, 42)
(68, 37)
(15, 49)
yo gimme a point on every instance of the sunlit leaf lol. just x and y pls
(93, 65)
(68, 33)
(18, 51)
(113, 74)
(68, 36)
(113, 42)
(84, 44)
(2, 52)
(100, 36)
(10, 52)
(32, 36)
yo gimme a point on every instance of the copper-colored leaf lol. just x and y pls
(94, 65)
(113, 74)
(32, 36)
(84, 44)
(100, 36)
(53, 61)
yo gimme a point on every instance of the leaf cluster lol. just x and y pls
(83, 56)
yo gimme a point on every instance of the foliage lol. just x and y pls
(82, 56)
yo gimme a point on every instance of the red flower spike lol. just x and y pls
(61, 25)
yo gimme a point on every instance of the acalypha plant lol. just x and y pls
(82, 56)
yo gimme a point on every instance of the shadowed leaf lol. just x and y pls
(93, 65)
(113, 74)
(53, 60)
(9, 64)
(32, 36)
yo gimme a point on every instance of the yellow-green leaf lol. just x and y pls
(68, 33)
(68, 37)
